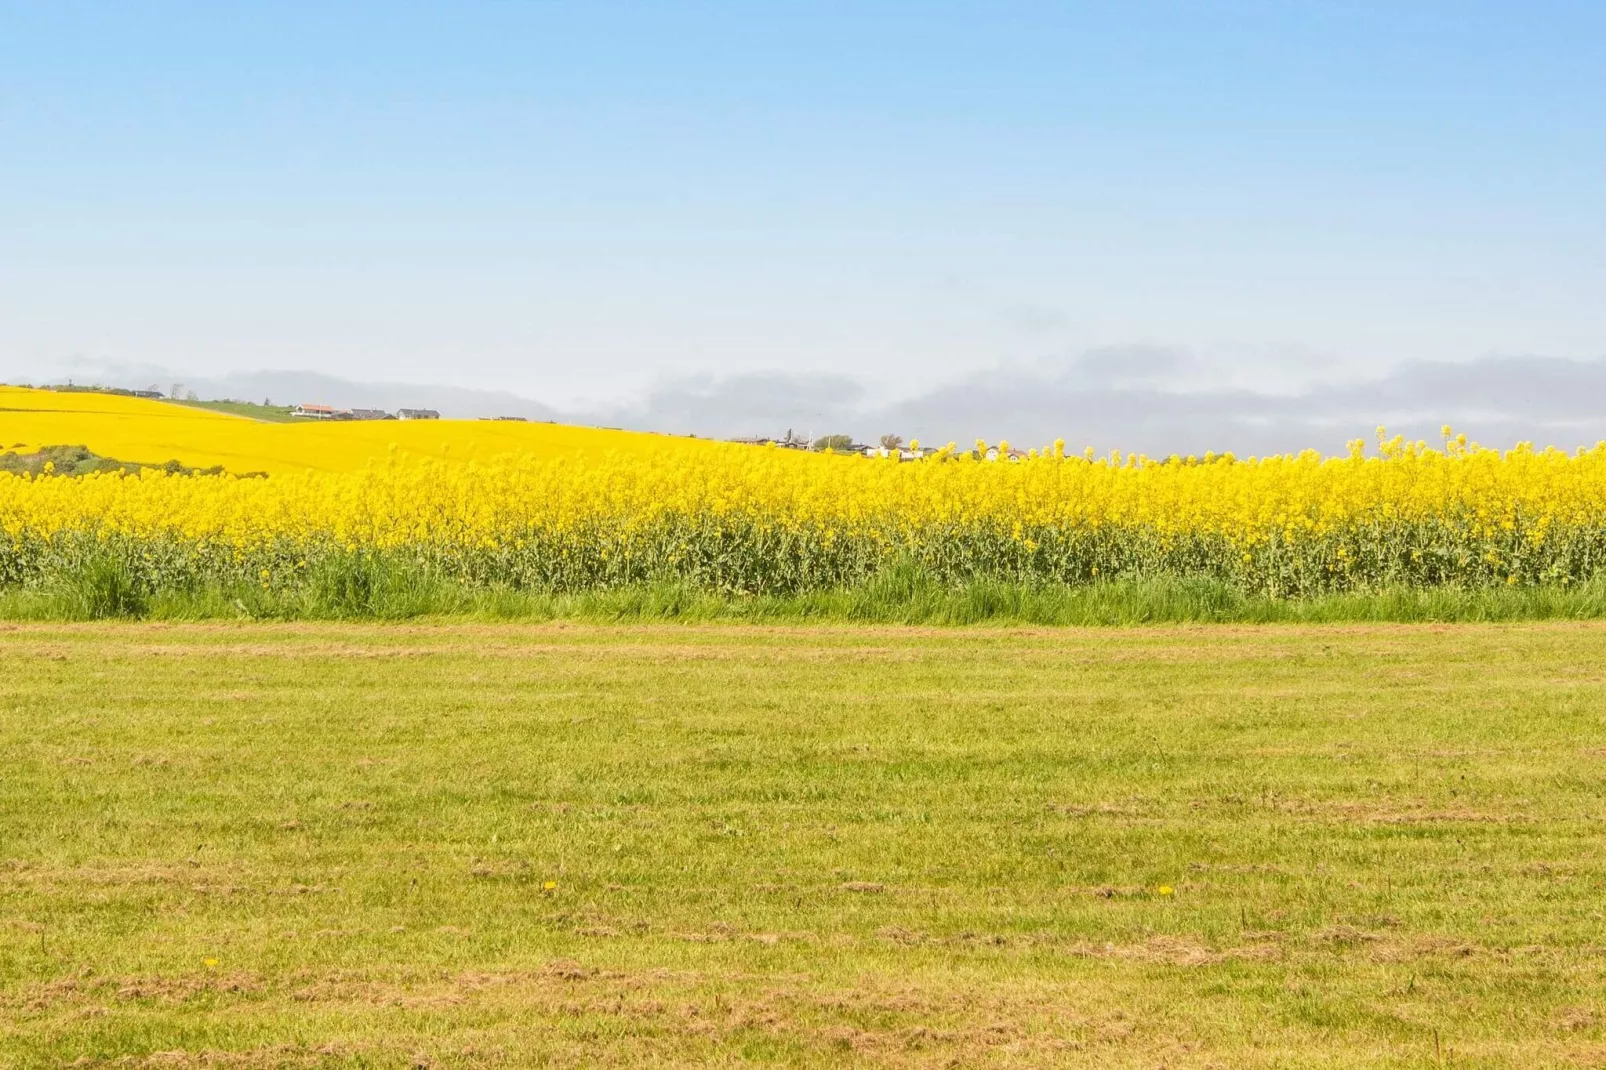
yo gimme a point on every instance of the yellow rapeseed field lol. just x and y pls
(152, 432)
(545, 507)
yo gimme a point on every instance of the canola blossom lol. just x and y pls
(638, 509)
(152, 432)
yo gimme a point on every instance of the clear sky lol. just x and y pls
(578, 201)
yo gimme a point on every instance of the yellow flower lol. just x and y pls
(1166, 889)
(569, 508)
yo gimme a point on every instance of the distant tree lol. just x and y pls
(892, 442)
(834, 442)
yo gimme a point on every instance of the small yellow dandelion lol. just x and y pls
(210, 962)
(550, 886)
(1166, 889)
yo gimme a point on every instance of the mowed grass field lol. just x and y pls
(505, 845)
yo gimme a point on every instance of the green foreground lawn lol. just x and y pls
(512, 845)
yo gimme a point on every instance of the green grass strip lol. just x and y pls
(103, 593)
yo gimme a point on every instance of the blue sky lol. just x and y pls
(579, 201)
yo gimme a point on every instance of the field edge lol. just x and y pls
(892, 599)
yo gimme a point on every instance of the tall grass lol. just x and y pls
(371, 587)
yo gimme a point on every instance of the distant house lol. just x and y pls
(417, 414)
(316, 412)
(370, 414)
(513, 419)
(146, 393)
(788, 441)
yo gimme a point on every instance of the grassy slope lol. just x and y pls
(275, 414)
(807, 846)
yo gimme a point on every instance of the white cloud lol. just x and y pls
(1136, 398)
